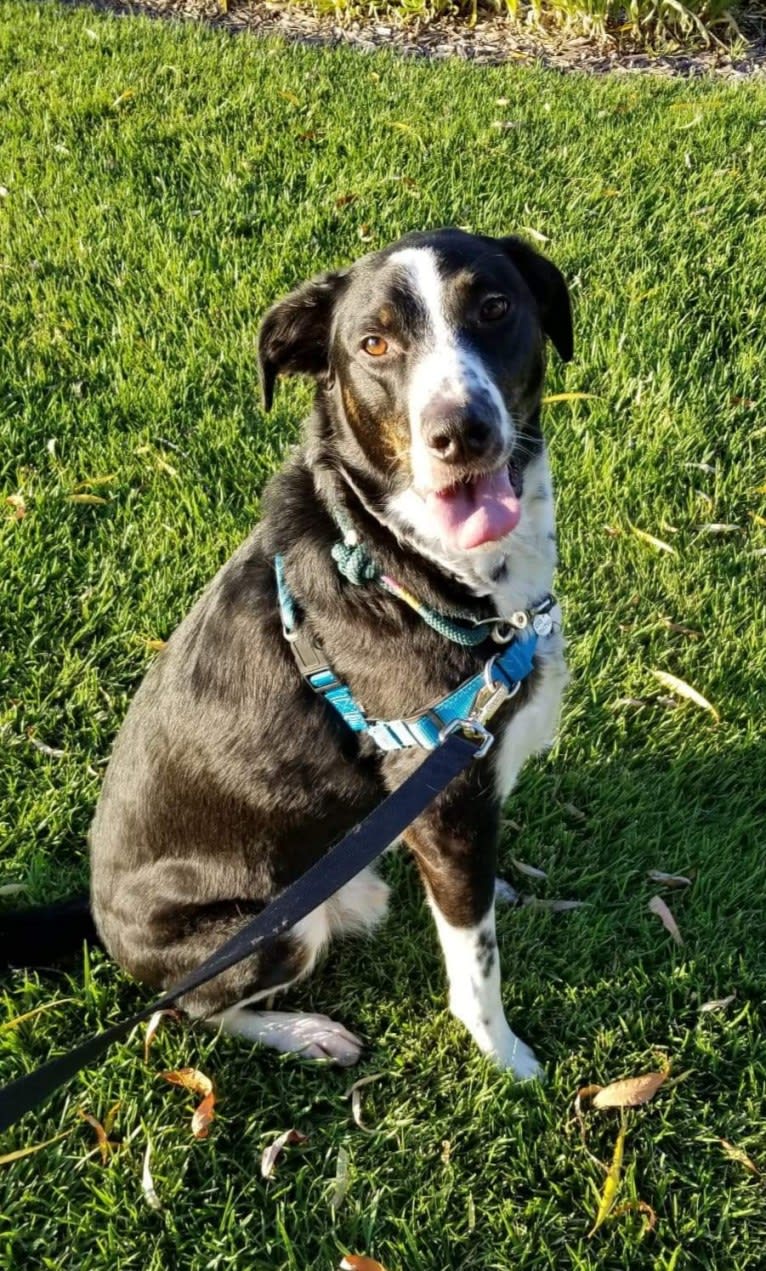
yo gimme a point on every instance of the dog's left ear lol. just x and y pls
(295, 334)
(550, 291)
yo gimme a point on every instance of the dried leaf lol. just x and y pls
(203, 1117)
(737, 1154)
(630, 1206)
(613, 531)
(658, 543)
(111, 1117)
(287, 96)
(357, 1262)
(155, 646)
(13, 889)
(191, 1079)
(354, 1093)
(16, 501)
(685, 690)
(553, 906)
(89, 481)
(759, 520)
(152, 1026)
(531, 871)
(51, 751)
(535, 234)
(87, 498)
(10, 1024)
(668, 880)
(568, 397)
(720, 527)
(717, 1004)
(657, 906)
(611, 1182)
(342, 1180)
(576, 813)
(104, 1146)
(505, 893)
(680, 629)
(272, 1153)
(124, 97)
(29, 1151)
(147, 1182)
(631, 1092)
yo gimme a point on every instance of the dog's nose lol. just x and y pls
(454, 433)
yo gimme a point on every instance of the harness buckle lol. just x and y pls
(474, 729)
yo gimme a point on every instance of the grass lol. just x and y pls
(164, 184)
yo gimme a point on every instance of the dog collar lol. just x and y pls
(470, 706)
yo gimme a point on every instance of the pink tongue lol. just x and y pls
(476, 512)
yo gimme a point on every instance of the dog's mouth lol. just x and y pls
(477, 510)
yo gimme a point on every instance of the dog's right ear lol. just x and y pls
(295, 334)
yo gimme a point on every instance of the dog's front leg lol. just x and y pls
(457, 861)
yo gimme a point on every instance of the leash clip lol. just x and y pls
(474, 730)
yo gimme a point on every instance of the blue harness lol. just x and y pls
(468, 708)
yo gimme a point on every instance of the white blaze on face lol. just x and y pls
(445, 368)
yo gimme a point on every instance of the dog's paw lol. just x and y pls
(516, 1057)
(319, 1037)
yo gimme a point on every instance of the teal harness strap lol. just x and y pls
(474, 699)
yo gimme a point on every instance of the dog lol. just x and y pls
(231, 775)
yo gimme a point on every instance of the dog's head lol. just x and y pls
(429, 358)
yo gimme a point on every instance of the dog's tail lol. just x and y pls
(47, 934)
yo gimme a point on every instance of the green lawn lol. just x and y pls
(160, 186)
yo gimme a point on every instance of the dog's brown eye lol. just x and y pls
(375, 345)
(494, 308)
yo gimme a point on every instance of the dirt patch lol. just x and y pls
(490, 42)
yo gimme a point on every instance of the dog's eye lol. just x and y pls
(375, 345)
(494, 308)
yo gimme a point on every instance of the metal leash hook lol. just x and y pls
(487, 703)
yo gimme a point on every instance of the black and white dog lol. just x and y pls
(230, 775)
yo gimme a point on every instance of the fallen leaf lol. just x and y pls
(553, 906)
(124, 97)
(702, 467)
(38, 1010)
(631, 701)
(531, 871)
(357, 1262)
(151, 1028)
(409, 130)
(611, 1182)
(759, 520)
(89, 481)
(111, 1117)
(631, 1092)
(344, 200)
(147, 1182)
(737, 1154)
(680, 629)
(87, 498)
(155, 646)
(287, 96)
(574, 812)
(204, 1115)
(19, 506)
(51, 751)
(657, 906)
(29, 1151)
(742, 401)
(342, 1180)
(365, 233)
(505, 893)
(354, 1093)
(568, 397)
(630, 1206)
(720, 527)
(535, 234)
(669, 880)
(104, 1146)
(613, 531)
(272, 1153)
(646, 537)
(13, 889)
(717, 1004)
(685, 690)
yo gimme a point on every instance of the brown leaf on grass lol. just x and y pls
(613, 531)
(737, 1154)
(685, 690)
(652, 540)
(147, 1182)
(531, 871)
(10, 1024)
(21, 1152)
(679, 629)
(16, 501)
(720, 527)
(204, 1115)
(631, 1206)
(342, 1180)
(657, 906)
(355, 1094)
(94, 499)
(553, 906)
(195, 1081)
(717, 1004)
(345, 200)
(104, 1146)
(13, 889)
(611, 1182)
(631, 1092)
(668, 880)
(152, 1027)
(272, 1153)
(357, 1262)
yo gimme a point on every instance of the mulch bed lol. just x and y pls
(490, 42)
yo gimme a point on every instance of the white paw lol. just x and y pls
(312, 1037)
(505, 894)
(518, 1058)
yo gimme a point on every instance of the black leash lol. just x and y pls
(342, 863)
